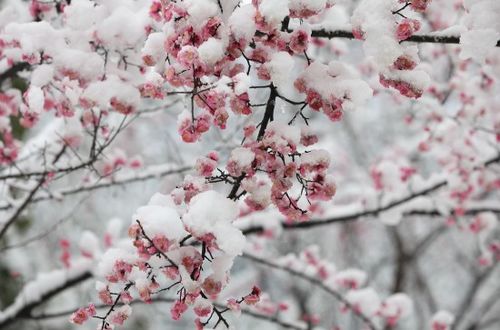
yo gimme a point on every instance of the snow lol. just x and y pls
(229, 239)
(280, 66)
(351, 275)
(154, 46)
(317, 156)
(488, 221)
(162, 200)
(274, 11)
(477, 44)
(375, 19)
(33, 37)
(259, 191)
(212, 212)
(13, 11)
(160, 220)
(242, 83)
(391, 217)
(82, 14)
(242, 156)
(42, 75)
(211, 51)
(221, 266)
(201, 10)
(443, 317)
(366, 300)
(89, 244)
(108, 259)
(313, 5)
(283, 134)
(482, 20)
(101, 92)
(241, 22)
(43, 284)
(339, 80)
(417, 78)
(398, 304)
(209, 208)
(35, 99)
(123, 28)
(88, 65)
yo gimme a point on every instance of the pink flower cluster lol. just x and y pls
(332, 107)
(419, 5)
(276, 155)
(83, 314)
(406, 28)
(405, 88)
(65, 257)
(303, 9)
(205, 166)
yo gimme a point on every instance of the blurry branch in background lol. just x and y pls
(21, 309)
(316, 282)
(53, 172)
(153, 172)
(379, 210)
(485, 307)
(10, 220)
(471, 295)
(13, 71)
(48, 231)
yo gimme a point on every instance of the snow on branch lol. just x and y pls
(379, 211)
(44, 287)
(244, 311)
(316, 282)
(435, 38)
(152, 172)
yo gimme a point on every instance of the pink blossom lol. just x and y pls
(253, 297)
(144, 293)
(234, 305)
(161, 243)
(171, 272)
(299, 41)
(406, 89)
(121, 270)
(121, 315)
(79, 317)
(83, 314)
(203, 308)
(358, 33)
(205, 166)
(407, 28)
(125, 297)
(211, 287)
(419, 5)
(177, 309)
(105, 296)
(121, 106)
(404, 63)
(188, 56)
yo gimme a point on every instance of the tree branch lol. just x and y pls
(418, 38)
(315, 282)
(376, 211)
(25, 311)
(268, 318)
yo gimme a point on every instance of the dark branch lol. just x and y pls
(418, 38)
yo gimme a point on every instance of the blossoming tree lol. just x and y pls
(300, 164)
